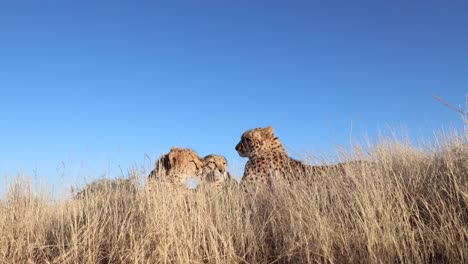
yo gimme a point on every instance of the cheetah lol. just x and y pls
(214, 173)
(176, 167)
(268, 159)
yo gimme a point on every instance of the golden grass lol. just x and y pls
(408, 206)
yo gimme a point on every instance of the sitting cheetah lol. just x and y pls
(215, 172)
(176, 167)
(268, 158)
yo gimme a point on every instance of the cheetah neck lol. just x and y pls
(273, 148)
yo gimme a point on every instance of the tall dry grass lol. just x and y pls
(409, 205)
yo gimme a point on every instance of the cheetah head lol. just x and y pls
(255, 141)
(215, 168)
(180, 163)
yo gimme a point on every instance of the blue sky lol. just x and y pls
(99, 84)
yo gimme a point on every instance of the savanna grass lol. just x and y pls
(407, 205)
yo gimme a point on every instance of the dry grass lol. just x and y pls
(408, 206)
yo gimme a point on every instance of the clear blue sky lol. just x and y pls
(101, 83)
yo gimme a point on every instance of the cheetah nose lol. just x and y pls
(238, 147)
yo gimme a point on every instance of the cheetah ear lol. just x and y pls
(163, 162)
(171, 159)
(197, 160)
(268, 131)
(167, 163)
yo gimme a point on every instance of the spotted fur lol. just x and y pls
(267, 157)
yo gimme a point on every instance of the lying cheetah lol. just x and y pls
(215, 172)
(176, 167)
(268, 159)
